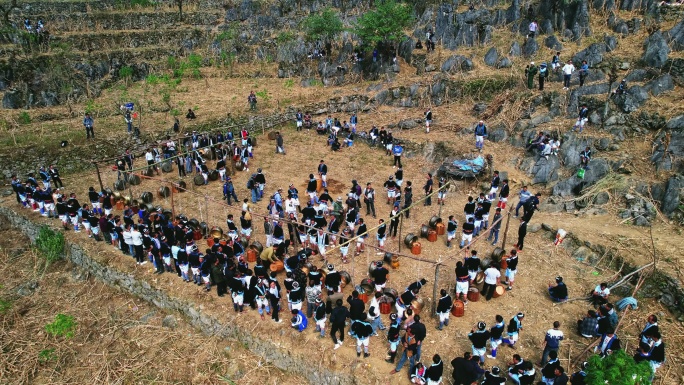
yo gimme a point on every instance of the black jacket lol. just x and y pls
(356, 308)
(339, 315)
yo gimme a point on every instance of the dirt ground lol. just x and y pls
(539, 263)
(119, 339)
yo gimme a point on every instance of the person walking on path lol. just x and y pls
(522, 232)
(543, 73)
(280, 148)
(88, 124)
(530, 72)
(428, 190)
(551, 342)
(568, 70)
(428, 119)
(369, 199)
(480, 135)
(524, 195)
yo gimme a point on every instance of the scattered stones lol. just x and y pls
(592, 54)
(27, 288)
(530, 47)
(491, 57)
(504, 62)
(407, 124)
(515, 49)
(662, 84)
(533, 227)
(457, 63)
(552, 42)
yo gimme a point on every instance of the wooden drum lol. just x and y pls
(458, 309)
(473, 294)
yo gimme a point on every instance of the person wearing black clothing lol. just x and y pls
(560, 377)
(338, 316)
(356, 307)
(219, 278)
(522, 232)
(493, 377)
(420, 332)
(54, 175)
(559, 293)
(443, 308)
(362, 331)
(394, 220)
(332, 280)
(578, 378)
(466, 370)
(428, 190)
(379, 276)
(549, 370)
(479, 339)
(434, 372)
(503, 195)
(408, 198)
(416, 285)
(530, 206)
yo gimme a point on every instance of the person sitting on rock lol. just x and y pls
(585, 158)
(622, 88)
(190, 114)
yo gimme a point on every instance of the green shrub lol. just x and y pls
(289, 83)
(24, 117)
(285, 37)
(47, 355)
(50, 243)
(323, 26)
(487, 88)
(125, 72)
(63, 326)
(618, 368)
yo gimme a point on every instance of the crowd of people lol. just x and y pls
(332, 231)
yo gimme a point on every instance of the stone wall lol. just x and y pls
(208, 324)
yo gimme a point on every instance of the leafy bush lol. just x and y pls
(125, 72)
(50, 243)
(46, 355)
(63, 326)
(24, 117)
(323, 26)
(289, 83)
(285, 37)
(386, 24)
(618, 369)
(487, 88)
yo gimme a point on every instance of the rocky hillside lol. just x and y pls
(480, 57)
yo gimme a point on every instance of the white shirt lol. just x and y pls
(127, 237)
(491, 276)
(533, 27)
(149, 156)
(603, 293)
(136, 238)
(568, 69)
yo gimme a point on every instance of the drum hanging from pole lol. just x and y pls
(120, 185)
(368, 285)
(256, 245)
(497, 254)
(216, 232)
(147, 197)
(164, 191)
(424, 230)
(345, 279)
(388, 257)
(434, 221)
(392, 293)
(371, 267)
(410, 239)
(198, 180)
(134, 179)
(204, 228)
(193, 223)
(486, 261)
(167, 166)
(213, 175)
(239, 166)
(180, 186)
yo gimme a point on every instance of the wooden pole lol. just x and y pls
(99, 178)
(173, 206)
(505, 235)
(401, 221)
(434, 291)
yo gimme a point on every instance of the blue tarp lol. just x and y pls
(475, 165)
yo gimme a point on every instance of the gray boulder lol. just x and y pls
(457, 63)
(513, 12)
(545, 170)
(672, 194)
(676, 123)
(515, 49)
(592, 54)
(407, 124)
(552, 42)
(662, 84)
(675, 36)
(13, 99)
(611, 43)
(672, 157)
(655, 50)
(530, 47)
(631, 100)
(491, 57)
(498, 133)
(504, 62)
(598, 168)
(546, 27)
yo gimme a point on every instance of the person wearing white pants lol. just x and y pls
(434, 372)
(361, 330)
(443, 309)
